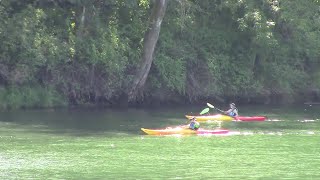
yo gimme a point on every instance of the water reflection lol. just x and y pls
(85, 121)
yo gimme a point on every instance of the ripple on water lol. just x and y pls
(274, 120)
(307, 120)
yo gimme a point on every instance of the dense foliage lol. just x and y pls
(55, 53)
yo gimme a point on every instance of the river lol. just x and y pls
(97, 143)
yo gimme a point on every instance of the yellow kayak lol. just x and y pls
(216, 117)
(182, 131)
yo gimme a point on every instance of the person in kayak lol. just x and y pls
(233, 111)
(194, 125)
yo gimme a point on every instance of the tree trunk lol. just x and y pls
(150, 39)
(81, 23)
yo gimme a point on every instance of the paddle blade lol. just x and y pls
(210, 105)
(206, 110)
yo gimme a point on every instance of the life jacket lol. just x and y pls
(234, 112)
(194, 125)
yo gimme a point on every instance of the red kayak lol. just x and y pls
(223, 117)
(250, 118)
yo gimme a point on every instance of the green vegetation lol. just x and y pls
(26, 97)
(80, 52)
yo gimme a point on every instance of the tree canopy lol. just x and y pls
(55, 53)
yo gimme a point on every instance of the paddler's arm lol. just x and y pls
(228, 111)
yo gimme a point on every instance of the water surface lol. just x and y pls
(108, 144)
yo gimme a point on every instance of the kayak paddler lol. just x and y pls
(233, 111)
(194, 125)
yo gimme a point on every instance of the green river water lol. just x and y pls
(108, 144)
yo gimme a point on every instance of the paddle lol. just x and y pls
(204, 111)
(212, 106)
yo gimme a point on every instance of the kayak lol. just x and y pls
(222, 117)
(251, 118)
(183, 131)
(216, 117)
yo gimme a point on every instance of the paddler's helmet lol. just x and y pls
(193, 119)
